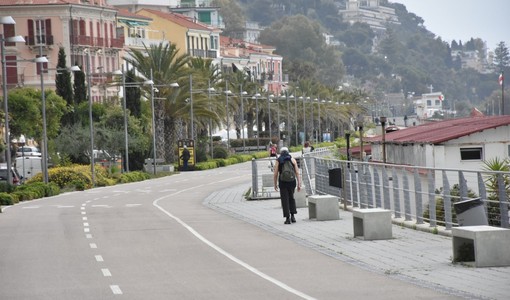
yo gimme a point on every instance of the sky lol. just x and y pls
(464, 19)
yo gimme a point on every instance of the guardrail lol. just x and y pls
(414, 194)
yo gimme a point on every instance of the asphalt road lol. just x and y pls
(156, 240)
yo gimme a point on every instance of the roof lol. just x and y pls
(45, 2)
(124, 13)
(439, 132)
(178, 19)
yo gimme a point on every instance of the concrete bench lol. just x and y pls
(487, 246)
(323, 207)
(372, 223)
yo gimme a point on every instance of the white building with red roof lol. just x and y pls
(463, 143)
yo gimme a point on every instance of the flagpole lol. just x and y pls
(502, 80)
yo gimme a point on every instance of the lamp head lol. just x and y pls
(15, 39)
(7, 20)
(174, 85)
(75, 69)
(42, 59)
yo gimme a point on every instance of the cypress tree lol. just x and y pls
(63, 86)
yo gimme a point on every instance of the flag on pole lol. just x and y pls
(501, 79)
(441, 97)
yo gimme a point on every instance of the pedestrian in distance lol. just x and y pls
(286, 178)
(185, 156)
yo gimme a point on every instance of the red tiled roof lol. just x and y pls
(439, 132)
(38, 2)
(178, 19)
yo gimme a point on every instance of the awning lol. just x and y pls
(133, 23)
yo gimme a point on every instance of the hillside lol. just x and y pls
(404, 58)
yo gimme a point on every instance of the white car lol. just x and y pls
(28, 151)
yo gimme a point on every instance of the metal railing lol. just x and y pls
(416, 194)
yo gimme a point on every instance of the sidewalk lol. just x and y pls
(413, 256)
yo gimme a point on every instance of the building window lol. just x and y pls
(438, 103)
(508, 150)
(429, 103)
(471, 153)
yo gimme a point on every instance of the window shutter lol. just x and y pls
(9, 32)
(49, 36)
(31, 39)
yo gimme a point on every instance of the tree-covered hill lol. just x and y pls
(407, 58)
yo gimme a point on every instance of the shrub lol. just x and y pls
(7, 199)
(134, 177)
(220, 152)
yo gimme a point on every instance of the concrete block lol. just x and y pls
(300, 198)
(372, 223)
(323, 207)
(487, 245)
(267, 180)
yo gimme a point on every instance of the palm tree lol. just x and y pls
(166, 67)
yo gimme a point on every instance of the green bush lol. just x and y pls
(220, 152)
(49, 189)
(6, 188)
(30, 191)
(7, 199)
(206, 165)
(134, 177)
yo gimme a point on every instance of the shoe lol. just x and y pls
(287, 221)
(292, 219)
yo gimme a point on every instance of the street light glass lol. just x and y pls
(75, 69)
(7, 20)
(15, 39)
(41, 59)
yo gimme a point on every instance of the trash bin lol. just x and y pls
(335, 177)
(470, 212)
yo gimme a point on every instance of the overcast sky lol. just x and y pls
(464, 19)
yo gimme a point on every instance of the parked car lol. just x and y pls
(28, 151)
(16, 178)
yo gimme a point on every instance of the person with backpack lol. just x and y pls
(286, 177)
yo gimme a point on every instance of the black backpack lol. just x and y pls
(287, 173)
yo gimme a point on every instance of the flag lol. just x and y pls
(501, 79)
(441, 97)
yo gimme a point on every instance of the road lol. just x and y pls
(157, 240)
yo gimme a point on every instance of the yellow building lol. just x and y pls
(189, 36)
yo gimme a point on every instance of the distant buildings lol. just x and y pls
(369, 12)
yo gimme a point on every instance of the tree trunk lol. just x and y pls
(160, 128)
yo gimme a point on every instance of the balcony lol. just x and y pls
(99, 42)
(41, 40)
(203, 53)
(137, 42)
(81, 40)
(117, 43)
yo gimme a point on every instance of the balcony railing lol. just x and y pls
(203, 53)
(42, 40)
(117, 43)
(139, 42)
(81, 40)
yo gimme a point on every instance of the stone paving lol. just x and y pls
(415, 256)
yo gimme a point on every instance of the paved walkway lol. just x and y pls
(414, 256)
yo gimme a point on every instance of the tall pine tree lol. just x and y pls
(133, 94)
(63, 86)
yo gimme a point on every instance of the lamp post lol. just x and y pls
(348, 144)
(16, 39)
(296, 133)
(304, 117)
(227, 92)
(243, 93)
(151, 82)
(91, 120)
(360, 128)
(269, 115)
(191, 104)
(44, 149)
(209, 90)
(383, 124)
(256, 96)
(124, 108)
(21, 142)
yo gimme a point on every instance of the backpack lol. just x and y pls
(287, 173)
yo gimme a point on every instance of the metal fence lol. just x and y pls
(415, 194)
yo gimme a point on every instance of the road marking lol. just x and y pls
(99, 258)
(82, 208)
(93, 246)
(225, 253)
(102, 205)
(84, 218)
(88, 201)
(89, 236)
(30, 207)
(132, 205)
(116, 289)
(106, 273)
(84, 204)
(86, 229)
(83, 213)
(65, 206)
(86, 224)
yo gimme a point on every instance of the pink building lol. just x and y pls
(81, 27)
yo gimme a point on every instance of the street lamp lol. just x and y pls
(383, 124)
(44, 149)
(91, 120)
(16, 39)
(243, 94)
(124, 107)
(191, 104)
(256, 96)
(227, 92)
(304, 117)
(360, 128)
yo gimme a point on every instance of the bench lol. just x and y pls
(323, 207)
(484, 245)
(372, 223)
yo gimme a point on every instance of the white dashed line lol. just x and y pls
(132, 205)
(106, 273)
(93, 246)
(116, 289)
(86, 229)
(99, 258)
(82, 208)
(101, 205)
(89, 236)
(30, 207)
(83, 213)
(65, 206)
(86, 224)
(84, 218)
